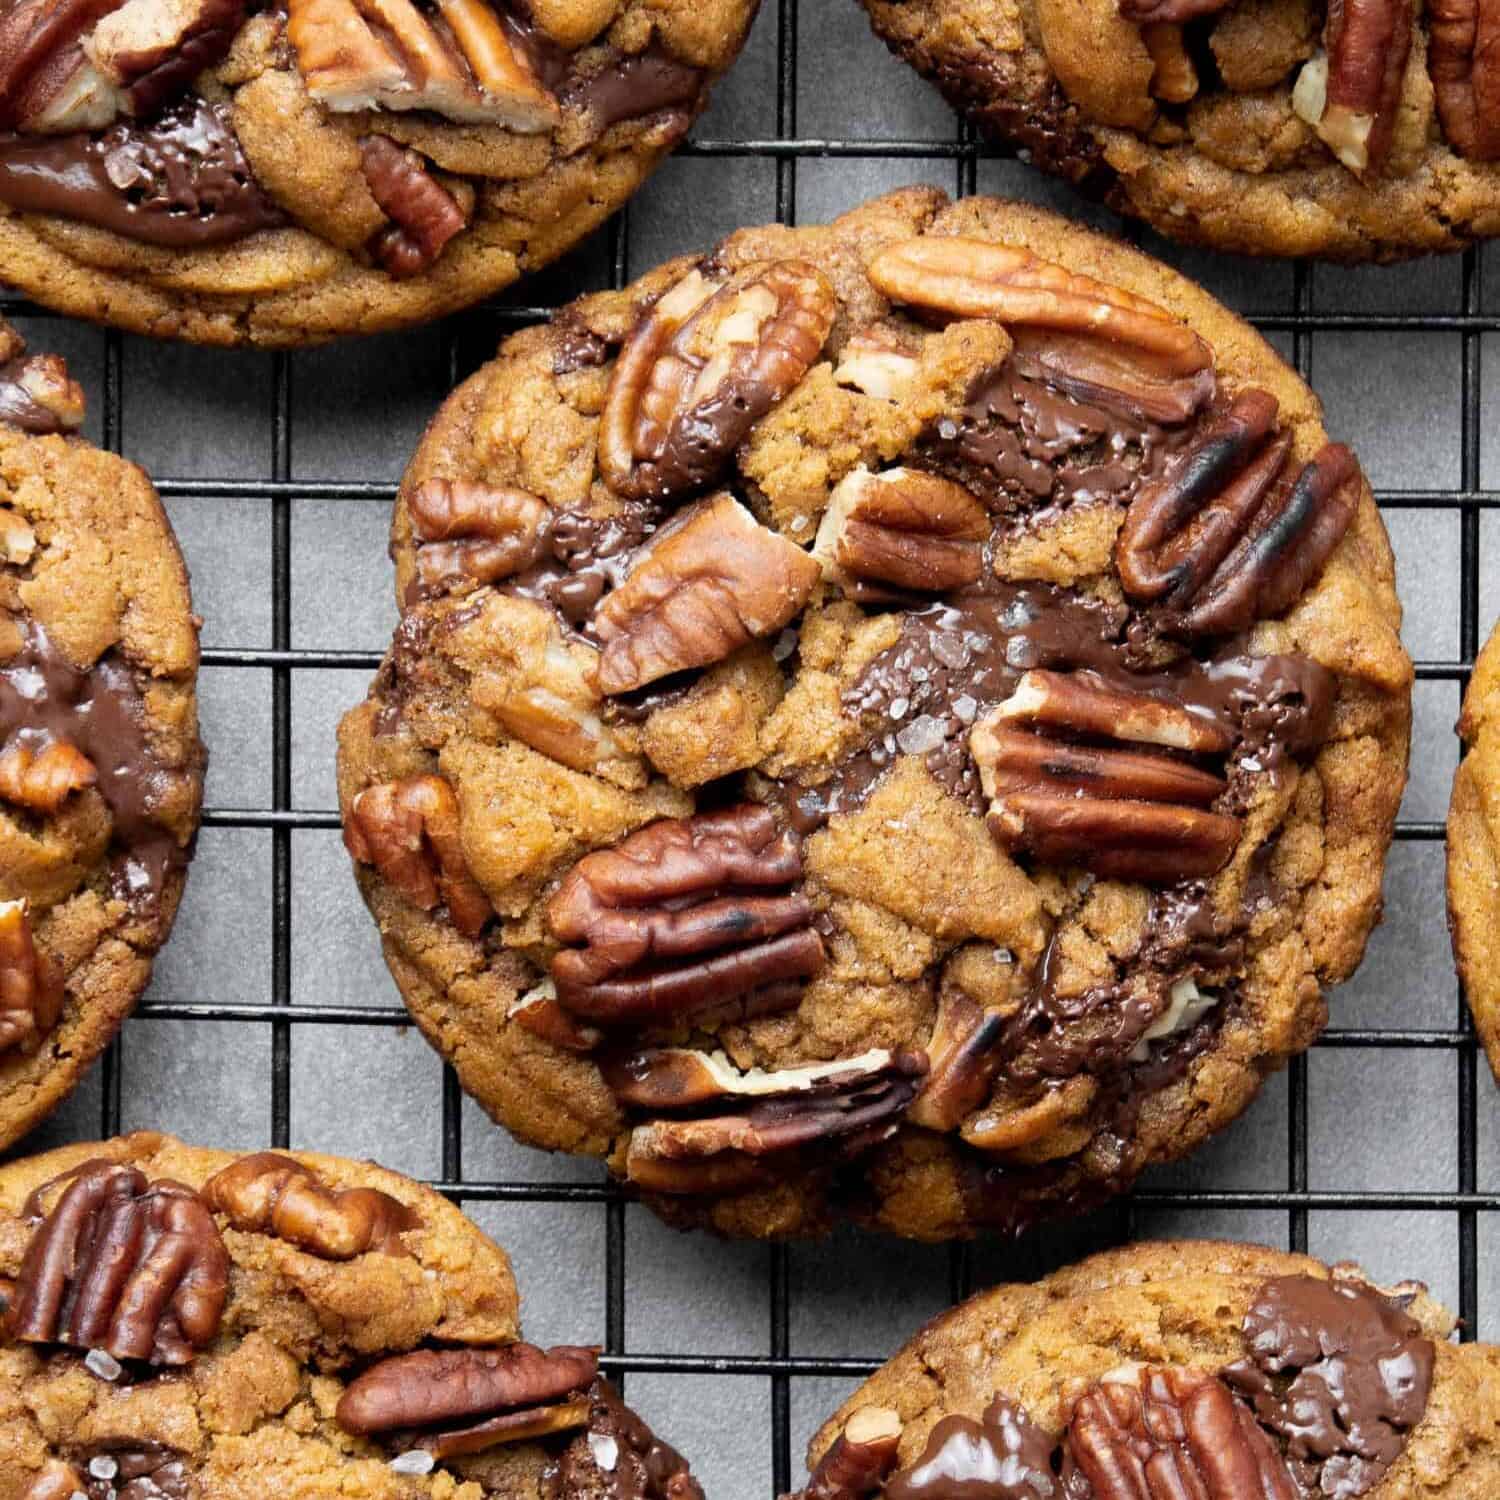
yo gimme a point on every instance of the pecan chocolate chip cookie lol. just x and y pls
(101, 770)
(1350, 129)
(1473, 860)
(234, 172)
(899, 720)
(1174, 1370)
(184, 1324)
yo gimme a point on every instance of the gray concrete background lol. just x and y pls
(1376, 1119)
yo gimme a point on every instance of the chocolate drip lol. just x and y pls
(181, 183)
(643, 1467)
(630, 88)
(44, 698)
(1006, 1456)
(17, 406)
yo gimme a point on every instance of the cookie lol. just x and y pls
(101, 769)
(186, 1324)
(1218, 1371)
(1270, 127)
(899, 720)
(1473, 862)
(235, 173)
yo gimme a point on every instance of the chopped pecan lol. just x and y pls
(40, 56)
(902, 527)
(675, 920)
(1463, 58)
(963, 1058)
(31, 986)
(705, 585)
(468, 529)
(859, 1458)
(17, 539)
(712, 1154)
(970, 278)
(1228, 536)
(408, 830)
(425, 214)
(388, 54)
(132, 1267)
(271, 1194)
(1173, 1434)
(1174, 79)
(538, 1012)
(44, 779)
(151, 50)
(702, 368)
(1148, 12)
(673, 1078)
(876, 365)
(441, 1388)
(37, 395)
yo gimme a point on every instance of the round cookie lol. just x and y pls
(234, 173)
(1219, 1371)
(186, 1324)
(1473, 863)
(101, 769)
(898, 720)
(1269, 127)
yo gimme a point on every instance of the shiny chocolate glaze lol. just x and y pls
(1005, 1456)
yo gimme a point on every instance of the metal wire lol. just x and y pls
(780, 1365)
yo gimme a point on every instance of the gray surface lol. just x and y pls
(1376, 1119)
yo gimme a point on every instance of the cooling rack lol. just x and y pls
(271, 1020)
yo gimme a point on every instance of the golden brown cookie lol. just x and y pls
(186, 1324)
(101, 769)
(1356, 131)
(1473, 862)
(900, 719)
(238, 173)
(1166, 1370)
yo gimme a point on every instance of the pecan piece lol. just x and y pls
(673, 1078)
(902, 527)
(458, 1390)
(1228, 536)
(37, 395)
(425, 214)
(708, 583)
(31, 986)
(1368, 43)
(859, 1458)
(970, 278)
(408, 830)
(963, 1058)
(151, 50)
(1463, 59)
(271, 1194)
(134, 1268)
(466, 529)
(702, 368)
(40, 54)
(678, 919)
(538, 1012)
(44, 779)
(1170, 1434)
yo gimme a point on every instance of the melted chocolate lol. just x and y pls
(577, 348)
(147, 1471)
(17, 406)
(644, 1467)
(44, 698)
(181, 183)
(630, 88)
(1340, 1374)
(1006, 1456)
(582, 558)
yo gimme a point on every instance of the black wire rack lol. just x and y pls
(954, 163)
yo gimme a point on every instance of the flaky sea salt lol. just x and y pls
(103, 1467)
(414, 1461)
(964, 708)
(898, 707)
(605, 1449)
(103, 1364)
(924, 733)
(950, 649)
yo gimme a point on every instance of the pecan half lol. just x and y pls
(1087, 703)
(1227, 536)
(970, 278)
(408, 830)
(705, 585)
(31, 986)
(674, 1078)
(702, 368)
(40, 57)
(963, 1058)
(388, 54)
(132, 1267)
(859, 1459)
(678, 919)
(44, 779)
(1463, 59)
(443, 1387)
(1145, 12)
(1114, 376)
(902, 527)
(1170, 1434)
(151, 50)
(37, 395)
(425, 214)
(271, 1194)
(1368, 43)
(472, 530)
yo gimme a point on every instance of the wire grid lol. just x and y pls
(960, 159)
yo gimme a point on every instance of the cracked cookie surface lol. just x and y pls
(188, 1324)
(101, 768)
(1222, 1371)
(897, 720)
(1353, 132)
(234, 172)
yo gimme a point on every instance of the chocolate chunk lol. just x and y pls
(630, 88)
(621, 1458)
(1006, 1456)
